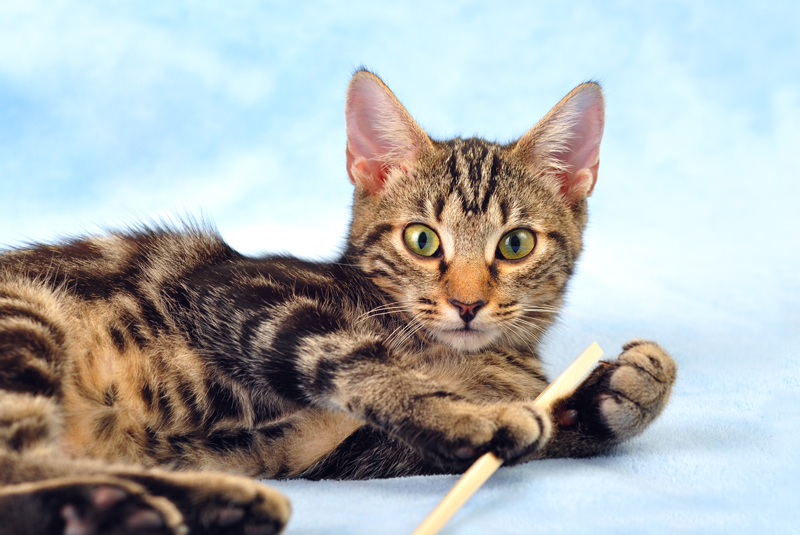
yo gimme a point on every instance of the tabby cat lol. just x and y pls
(147, 376)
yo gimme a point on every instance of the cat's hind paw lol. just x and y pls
(220, 504)
(110, 509)
(92, 505)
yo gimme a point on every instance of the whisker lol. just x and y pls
(413, 327)
(521, 334)
(372, 314)
(388, 308)
(409, 334)
(393, 333)
(532, 322)
(526, 327)
(546, 310)
(550, 310)
(402, 333)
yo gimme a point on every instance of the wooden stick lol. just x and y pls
(484, 467)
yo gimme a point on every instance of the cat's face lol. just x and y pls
(472, 250)
(474, 241)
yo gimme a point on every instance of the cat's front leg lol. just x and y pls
(451, 432)
(615, 403)
(358, 374)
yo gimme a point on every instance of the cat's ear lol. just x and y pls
(382, 138)
(565, 144)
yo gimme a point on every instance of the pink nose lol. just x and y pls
(467, 311)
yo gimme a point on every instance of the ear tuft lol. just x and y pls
(381, 135)
(565, 144)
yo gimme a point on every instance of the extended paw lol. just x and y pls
(617, 401)
(453, 433)
(637, 387)
(93, 505)
(111, 509)
(220, 504)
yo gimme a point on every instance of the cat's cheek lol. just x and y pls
(396, 292)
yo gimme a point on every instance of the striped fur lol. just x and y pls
(158, 348)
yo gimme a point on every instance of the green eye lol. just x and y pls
(516, 244)
(421, 240)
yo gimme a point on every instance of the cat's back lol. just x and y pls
(151, 332)
(100, 266)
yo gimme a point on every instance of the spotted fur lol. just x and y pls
(153, 356)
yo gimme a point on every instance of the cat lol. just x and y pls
(146, 376)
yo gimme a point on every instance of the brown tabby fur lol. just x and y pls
(165, 348)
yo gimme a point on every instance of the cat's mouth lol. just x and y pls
(466, 338)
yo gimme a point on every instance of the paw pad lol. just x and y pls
(638, 387)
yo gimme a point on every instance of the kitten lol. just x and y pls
(137, 367)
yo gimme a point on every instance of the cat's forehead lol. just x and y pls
(471, 173)
(474, 186)
(471, 193)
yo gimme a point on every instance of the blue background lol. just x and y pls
(116, 113)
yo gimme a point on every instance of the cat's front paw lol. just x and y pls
(636, 388)
(452, 434)
(617, 401)
(639, 385)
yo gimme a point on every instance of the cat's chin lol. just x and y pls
(465, 340)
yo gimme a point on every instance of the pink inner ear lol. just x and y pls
(380, 133)
(580, 185)
(582, 152)
(371, 174)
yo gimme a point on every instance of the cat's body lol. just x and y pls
(412, 354)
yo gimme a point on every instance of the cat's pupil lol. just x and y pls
(514, 243)
(422, 241)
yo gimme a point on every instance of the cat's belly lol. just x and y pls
(284, 448)
(313, 435)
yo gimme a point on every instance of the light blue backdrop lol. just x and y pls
(110, 114)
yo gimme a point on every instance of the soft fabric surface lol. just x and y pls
(111, 114)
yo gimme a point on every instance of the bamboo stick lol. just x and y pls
(484, 467)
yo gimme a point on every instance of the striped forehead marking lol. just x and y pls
(474, 167)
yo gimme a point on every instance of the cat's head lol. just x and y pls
(473, 240)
